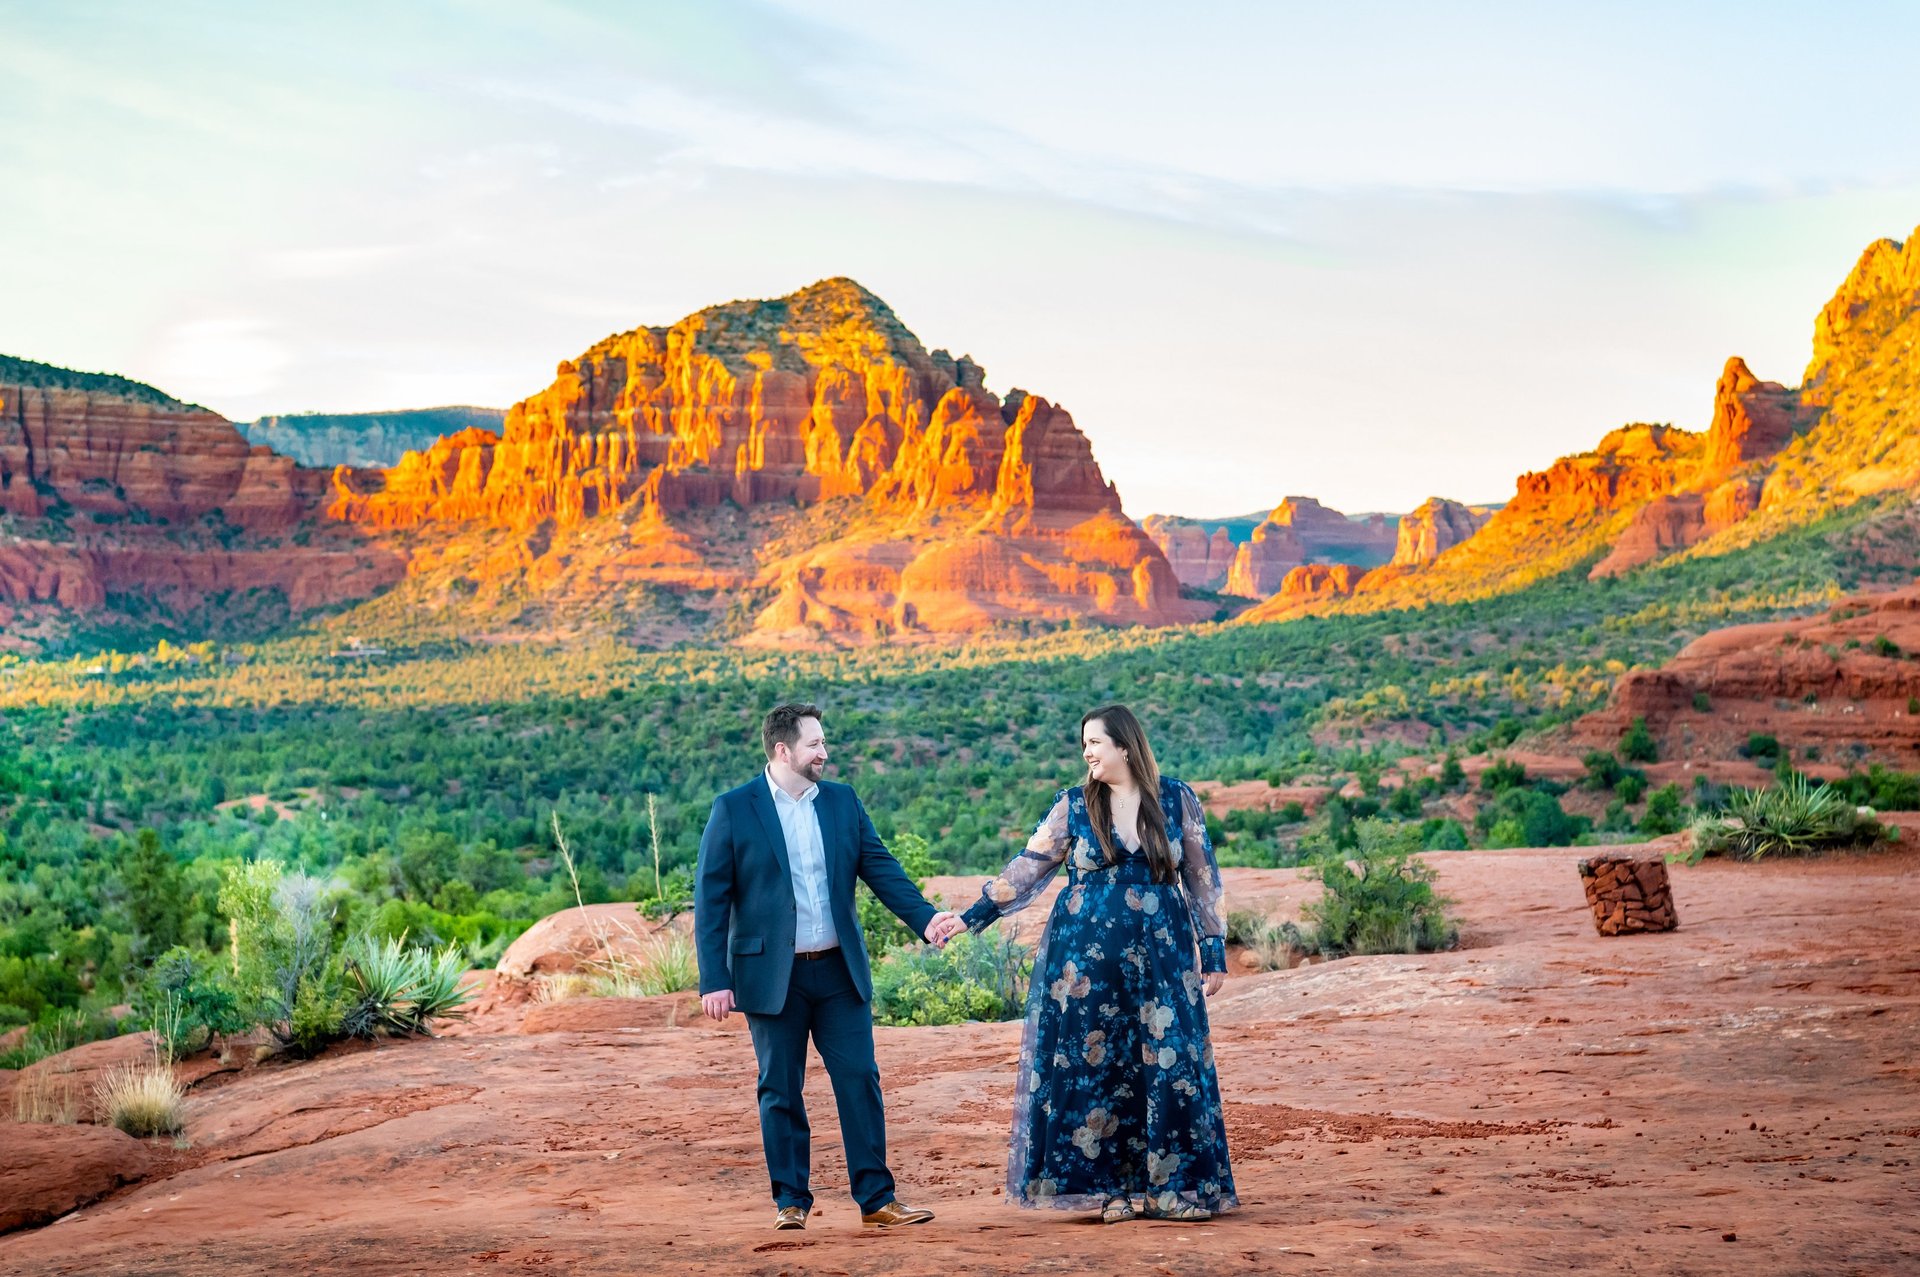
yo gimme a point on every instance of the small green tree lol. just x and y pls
(1665, 813)
(1638, 745)
(156, 894)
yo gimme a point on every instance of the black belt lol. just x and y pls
(817, 954)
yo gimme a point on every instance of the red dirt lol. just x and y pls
(1546, 1099)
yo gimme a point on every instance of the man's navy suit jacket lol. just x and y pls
(743, 913)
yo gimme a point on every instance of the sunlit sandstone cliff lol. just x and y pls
(951, 507)
(1771, 457)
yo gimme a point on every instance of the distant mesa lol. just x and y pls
(364, 439)
(1251, 556)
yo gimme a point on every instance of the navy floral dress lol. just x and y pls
(1117, 1095)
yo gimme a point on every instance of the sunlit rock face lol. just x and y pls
(1435, 527)
(956, 509)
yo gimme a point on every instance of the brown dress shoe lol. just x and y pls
(894, 1215)
(791, 1217)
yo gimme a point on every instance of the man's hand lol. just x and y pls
(717, 1004)
(1215, 981)
(943, 927)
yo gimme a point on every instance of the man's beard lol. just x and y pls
(813, 769)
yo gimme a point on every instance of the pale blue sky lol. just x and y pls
(1370, 252)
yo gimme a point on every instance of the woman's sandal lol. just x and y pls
(1118, 1210)
(1180, 1210)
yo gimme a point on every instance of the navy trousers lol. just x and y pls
(823, 1004)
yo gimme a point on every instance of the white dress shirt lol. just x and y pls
(813, 928)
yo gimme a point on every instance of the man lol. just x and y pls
(778, 940)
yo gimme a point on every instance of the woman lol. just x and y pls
(1117, 1096)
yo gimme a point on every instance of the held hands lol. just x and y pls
(1213, 982)
(944, 926)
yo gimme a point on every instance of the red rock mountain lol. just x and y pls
(951, 508)
(1770, 457)
(110, 487)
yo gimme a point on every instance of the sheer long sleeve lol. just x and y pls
(1201, 874)
(1028, 873)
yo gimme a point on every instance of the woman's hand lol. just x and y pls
(1215, 981)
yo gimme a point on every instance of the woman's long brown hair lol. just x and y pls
(1126, 734)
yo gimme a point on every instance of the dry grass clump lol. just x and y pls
(669, 967)
(558, 986)
(142, 1099)
(46, 1097)
(1270, 945)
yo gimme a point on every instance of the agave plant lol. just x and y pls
(1793, 818)
(400, 990)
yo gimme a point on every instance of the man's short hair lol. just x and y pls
(782, 725)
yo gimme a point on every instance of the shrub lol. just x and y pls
(286, 973)
(1630, 788)
(186, 1005)
(1702, 702)
(1291, 813)
(1885, 646)
(1245, 925)
(1502, 775)
(1270, 946)
(1638, 745)
(1452, 774)
(1761, 746)
(1244, 854)
(1380, 901)
(1443, 834)
(1530, 818)
(142, 1099)
(973, 978)
(1881, 789)
(1604, 771)
(670, 967)
(1664, 813)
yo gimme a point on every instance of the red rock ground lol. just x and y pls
(1739, 1095)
